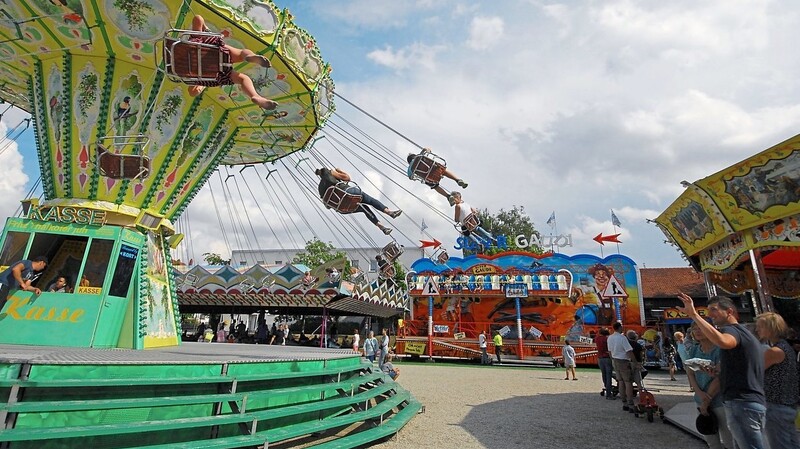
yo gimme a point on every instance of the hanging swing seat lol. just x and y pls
(113, 163)
(440, 256)
(471, 222)
(338, 198)
(387, 271)
(391, 251)
(193, 57)
(428, 167)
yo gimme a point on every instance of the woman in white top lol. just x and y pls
(464, 210)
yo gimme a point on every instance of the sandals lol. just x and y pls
(395, 213)
(386, 230)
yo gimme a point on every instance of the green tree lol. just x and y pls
(317, 253)
(399, 275)
(510, 223)
(215, 259)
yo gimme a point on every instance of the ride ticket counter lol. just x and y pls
(117, 295)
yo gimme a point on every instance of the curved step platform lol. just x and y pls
(197, 395)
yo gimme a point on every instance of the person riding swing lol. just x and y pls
(338, 193)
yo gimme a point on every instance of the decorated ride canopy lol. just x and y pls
(285, 289)
(754, 204)
(751, 205)
(113, 131)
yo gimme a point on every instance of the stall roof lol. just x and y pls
(754, 204)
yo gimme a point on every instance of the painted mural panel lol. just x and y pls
(158, 314)
(760, 189)
(562, 294)
(693, 221)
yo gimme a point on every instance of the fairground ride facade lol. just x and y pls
(534, 301)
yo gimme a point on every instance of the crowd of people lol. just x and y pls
(746, 383)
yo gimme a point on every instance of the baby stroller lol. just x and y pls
(646, 403)
(615, 387)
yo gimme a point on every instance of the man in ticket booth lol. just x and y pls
(19, 276)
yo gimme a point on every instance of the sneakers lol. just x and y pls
(625, 408)
(394, 213)
(461, 183)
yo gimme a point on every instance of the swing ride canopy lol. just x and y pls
(87, 72)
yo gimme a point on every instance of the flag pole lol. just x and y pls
(553, 226)
(614, 222)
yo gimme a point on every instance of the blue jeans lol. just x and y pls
(746, 423)
(365, 201)
(607, 370)
(779, 428)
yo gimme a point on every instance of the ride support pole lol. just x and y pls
(323, 340)
(520, 354)
(430, 328)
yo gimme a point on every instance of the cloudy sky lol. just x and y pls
(575, 108)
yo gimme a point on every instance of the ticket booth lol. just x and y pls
(118, 293)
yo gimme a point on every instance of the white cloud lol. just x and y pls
(13, 182)
(414, 56)
(485, 32)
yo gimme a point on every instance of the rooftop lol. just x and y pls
(668, 282)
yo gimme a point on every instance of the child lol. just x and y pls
(569, 359)
(389, 369)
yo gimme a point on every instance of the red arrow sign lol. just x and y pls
(600, 238)
(435, 243)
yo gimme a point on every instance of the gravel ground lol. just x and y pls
(469, 406)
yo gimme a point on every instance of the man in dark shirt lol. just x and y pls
(19, 275)
(329, 178)
(741, 369)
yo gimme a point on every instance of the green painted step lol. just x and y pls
(132, 381)
(146, 402)
(27, 434)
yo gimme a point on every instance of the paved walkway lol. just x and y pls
(470, 406)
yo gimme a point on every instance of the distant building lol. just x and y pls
(660, 288)
(362, 258)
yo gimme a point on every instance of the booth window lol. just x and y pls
(123, 273)
(14, 247)
(97, 262)
(65, 254)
